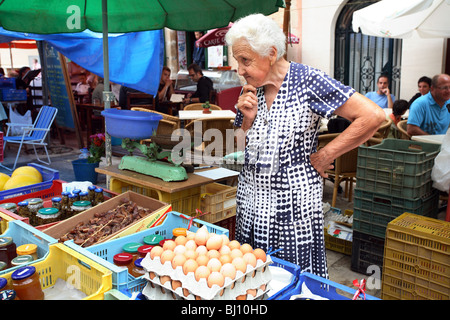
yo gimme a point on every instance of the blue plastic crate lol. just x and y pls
(23, 233)
(48, 175)
(324, 288)
(8, 94)
(103, 253)
(292, 268)
(7, 83)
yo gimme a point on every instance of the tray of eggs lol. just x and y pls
(206, 266)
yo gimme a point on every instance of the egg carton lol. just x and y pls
(186, 286)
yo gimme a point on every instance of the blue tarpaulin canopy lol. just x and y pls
(135, 59)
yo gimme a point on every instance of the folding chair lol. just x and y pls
(32, 135)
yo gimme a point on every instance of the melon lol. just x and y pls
(20, 181)
(3, 178)
(29, 171)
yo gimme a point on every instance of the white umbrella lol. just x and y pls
(403, 18)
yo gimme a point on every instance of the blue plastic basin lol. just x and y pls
(130, 124)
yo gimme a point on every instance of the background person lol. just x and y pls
(165, 90)
(383, 96)
(423, 85)
(204, 86)
(398, 110)
(279, 195)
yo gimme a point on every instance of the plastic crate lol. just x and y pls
(292, 268)
(417, 259)
(69, 265)
(103, 253)
(324, 288)
(48, 175)
(8, 94)
(186, 201)
(219, 201)
(367, 250)
(22, 233)
(7, 83)
(373, 211)
(6, 216)
(230, 225)
(336, 244)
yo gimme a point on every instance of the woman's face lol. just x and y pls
(424, 88)
(251, 65)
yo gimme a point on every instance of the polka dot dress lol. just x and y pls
(279, 196)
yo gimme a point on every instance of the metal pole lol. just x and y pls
(106, 90)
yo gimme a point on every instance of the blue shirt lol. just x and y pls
(428, 115)
(379, 99)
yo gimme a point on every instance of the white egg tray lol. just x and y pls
(256, 278)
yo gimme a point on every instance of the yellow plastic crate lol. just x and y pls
(219, 201)
(81, 272)
(336, 244)
(416, 259)
(186, 201)
(7, 216)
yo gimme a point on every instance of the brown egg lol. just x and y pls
(246, 248)
(214, 265)
(228, 270)
(176, 284)
(216, 278)
(190, 266)
(224, 250)
(234, 244)
(252, 292)
(214, 242)
(239, 264)
(178, 260)
(190, 235)
(169, 245)
(236, 253)
(167, 255)
(202, 272)
(179, 249)
(202, 260)
(164, 279)
(156, 252)
(242, 297)
(225, 239)
(260, 254)
(201, 250)
(190, 245)
(250, 259)
(191, 254)
(225, 258)
(181, 240)
(201, 236)
(213, 254)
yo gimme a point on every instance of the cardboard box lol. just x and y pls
(158, 208)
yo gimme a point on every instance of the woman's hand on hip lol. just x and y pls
(322, 162)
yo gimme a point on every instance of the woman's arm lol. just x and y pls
(366, 118)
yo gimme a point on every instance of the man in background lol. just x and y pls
(382, 96)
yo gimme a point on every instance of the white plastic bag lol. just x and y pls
(15, 118)
(441, 169)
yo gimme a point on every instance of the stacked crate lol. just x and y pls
(392, 177)
(417, 259)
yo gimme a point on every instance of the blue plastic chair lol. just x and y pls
(34, 135)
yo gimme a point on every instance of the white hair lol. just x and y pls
(261, 32)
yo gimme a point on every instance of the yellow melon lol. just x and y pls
(3, 178)
(29, 171)
(20, 181)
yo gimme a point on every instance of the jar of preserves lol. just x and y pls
(99, 198)
(65, 198)
(26, 283)
(23, 210)
(7, 250)
(21, 260)
(47, 215)
(76, 192)
(8, 295)
(56, 203)
(34, 204)
(143, 250)
(27, 249)
(91, 194)
(80, 206)
(132, 248)
(124, 260)
(84, 196)
(10, 206)
(153, 239)
(137, 270)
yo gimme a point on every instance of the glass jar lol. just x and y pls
(47, 215)
(84, 196)
(124, 260)
(132, 248)
(56, 203)
(99, 198)
(26, 283)
(23, 210)
(80, 206)
(27, 249)
(76, 192)
(21, 260)
(91, 194)
(8, 295)
(153, 239)
(143, 250)
(137, 269)
(10, 206)
(34, 204)
(64, 205)
(7, 250)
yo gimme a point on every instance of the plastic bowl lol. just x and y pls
(130, 124)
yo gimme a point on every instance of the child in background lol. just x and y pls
(398, 110)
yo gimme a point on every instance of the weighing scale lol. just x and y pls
(134, 126)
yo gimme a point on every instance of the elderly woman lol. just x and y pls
(279, 197)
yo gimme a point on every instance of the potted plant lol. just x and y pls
(84, 168)
(206, 107)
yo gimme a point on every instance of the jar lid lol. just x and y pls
(48, 211)
(179, 232)
(21, 260)
(84, 193)
(8, 206)
(83, 203)
(23, 273)
(138, 262)
(7, 295)
(92, 187)
(3, 283)
(56, 199)
(65, 193)
(98, 190)
(71, 195)
(34, 200)
(131, 247)
(153, 239)
(2, 265)
(23, 203)
(28, 248)
(5, 241)
(122, 258)
(76, 191)
(146, 248)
